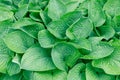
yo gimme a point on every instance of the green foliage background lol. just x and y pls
(59, 39)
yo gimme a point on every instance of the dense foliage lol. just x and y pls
(59, 39)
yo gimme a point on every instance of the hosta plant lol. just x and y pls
(59, 39)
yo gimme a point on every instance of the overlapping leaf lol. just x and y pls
(64, 55)
(38, 56)
(59, 27)
(18, 41)
(51, 75)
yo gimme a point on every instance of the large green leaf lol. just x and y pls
(92, 74)
(46, 39)
(56, 9)
(38, 56)
(81, 29)
(77, 72)
(100, 50)
(110, 64)
(64, 55)
(96, 13)
(18, 41)
(59, 27)
(112, 7)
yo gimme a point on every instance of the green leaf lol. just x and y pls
(82, 44)
(23, 22)
(5, 28)
(5, 56)
(34, 5)
(56, 9)
(18, 41)
(46, 39)
(114, 42)
(84, 5)
(54, 75)
(107, 30)
(38, 56)
(59, 27)
(22, 11)
(23, 2)
(4, 59)
(71, 5)
(51, 75)
(14, 77)
(13, 68)
(5, 14)
(96, 13)
(99, 51)
(116, 20)
(95, 40)
(32, 30)
(77, 72)
(102, 2)
(4, 49)
(28, 75)
(46, 19)
(117, 77)
(35, 16)
(29, 26)
(62, 53)
(112, 7)
(17, 59)
(92, 74)
(81, 29)
(109, 64)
